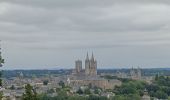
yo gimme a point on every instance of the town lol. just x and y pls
(82, 83)
(84, 50)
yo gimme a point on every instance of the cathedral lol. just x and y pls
(88, 75)
(90, 66)
(135, 73)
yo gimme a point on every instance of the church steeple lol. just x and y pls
(87, 57)
(90, 66)
(92, 57)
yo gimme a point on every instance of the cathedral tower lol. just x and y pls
(90, 66)
(87, 65)
(78, 66)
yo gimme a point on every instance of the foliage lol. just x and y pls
(1, 62)
(12, 87)
(65, 94)
(127, 97)
(93, 97)
(51, 91)
(97, 91)
(30, 93)
(161, 95)
(156, 77)
(1, 95)
(75, 97)
(61, 83)
(45, 82)
(87, 91)
(80, 91)
(109, 77)
(130, 87)
(160, 87)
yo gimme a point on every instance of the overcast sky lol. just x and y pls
(54, 33)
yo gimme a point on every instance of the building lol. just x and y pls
(78, 66)
(90, 67)
(88, 76)
(121, 74)
(101, 83)
(135, 73)
(146, 96)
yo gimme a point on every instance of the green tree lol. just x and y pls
(127, 97)
(51, 91)
(61, 83)
(93, 97)
(12, 87)
(45, 82)
(87, 91)
(156, 77)
(30, 93)
(161, 95)
(96, 91)
(44, 97)
(152, 87)
(62, 95)
(1, 63)
(79, 91)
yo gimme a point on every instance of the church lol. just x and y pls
(90, 66)
(88, 75)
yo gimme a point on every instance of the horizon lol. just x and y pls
(100, 68)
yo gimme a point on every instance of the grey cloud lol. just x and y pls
(75, 25)
(109, 19)
(80, 3)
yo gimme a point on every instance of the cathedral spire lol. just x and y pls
(87, 57)
(92, 57)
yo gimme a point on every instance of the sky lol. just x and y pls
(52, 34)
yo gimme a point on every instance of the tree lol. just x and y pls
(1, 63)
(161, 95)
(93, 97)
(62, 95)
(30, 93)
(1, 59)
(87, 91)
(152, 87)
(45, 82)
(96, 91)
(80, 91)
(12, 87)
(156, 77)
(127, 97)
(61, 83)
(51, 91)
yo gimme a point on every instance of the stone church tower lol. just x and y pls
(78, 66)
(87, 65)
(90, 66)
(135, 73)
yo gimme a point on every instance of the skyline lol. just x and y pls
(49, 33)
